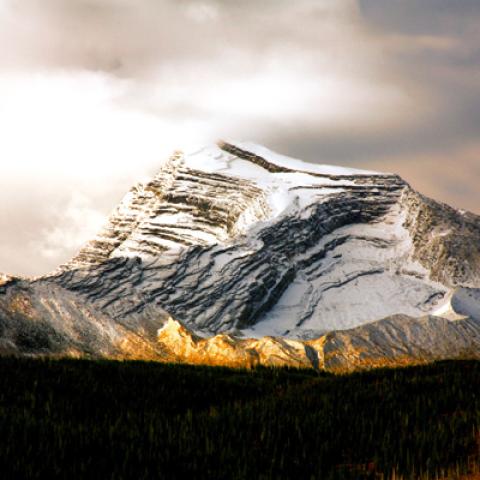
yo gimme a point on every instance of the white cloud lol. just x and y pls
(70, 225)
(68, 126)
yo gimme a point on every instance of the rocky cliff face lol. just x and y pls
(259, 259)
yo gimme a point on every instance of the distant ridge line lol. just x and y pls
(273, 168)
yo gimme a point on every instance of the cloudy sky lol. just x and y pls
(94, 94)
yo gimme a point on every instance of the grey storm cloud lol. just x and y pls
(132, 38)
(387, 85)
(425, 17)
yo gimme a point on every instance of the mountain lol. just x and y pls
(235, 255)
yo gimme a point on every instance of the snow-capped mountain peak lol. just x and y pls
(235, 239)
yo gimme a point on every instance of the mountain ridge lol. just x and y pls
(243, 245)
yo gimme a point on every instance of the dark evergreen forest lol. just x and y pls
(140, 420)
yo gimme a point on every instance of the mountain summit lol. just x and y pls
(236, 255)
